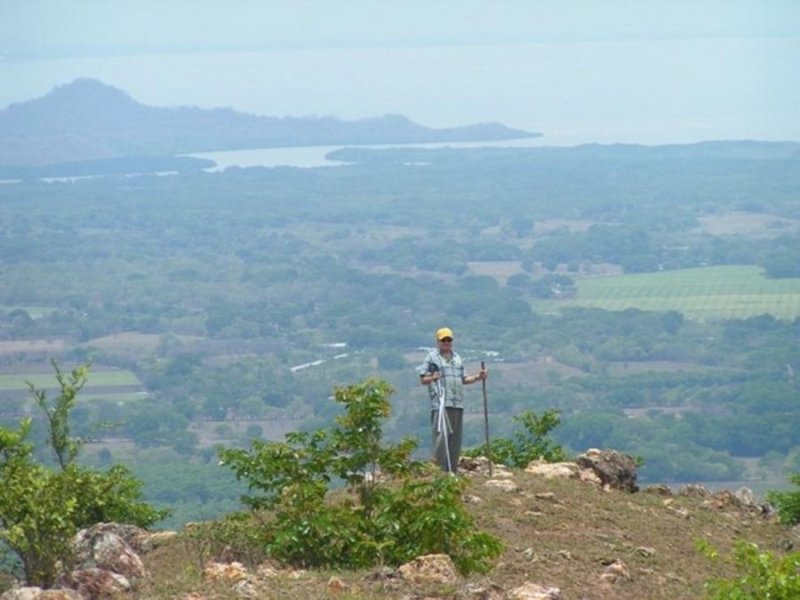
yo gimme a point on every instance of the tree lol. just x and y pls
(41, 509)
(534, 443)
(762, 574)
(404, 508)
(787, 503)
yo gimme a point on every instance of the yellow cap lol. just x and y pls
(444, 332)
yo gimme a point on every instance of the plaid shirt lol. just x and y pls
(451, 380)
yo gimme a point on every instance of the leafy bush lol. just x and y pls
(531, 444)
(392, 510)
(40, 508)
(762, 575)
(787, 503)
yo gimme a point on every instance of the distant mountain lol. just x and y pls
(88, 120)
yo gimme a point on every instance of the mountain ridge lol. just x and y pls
(88, 120)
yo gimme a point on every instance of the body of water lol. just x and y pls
(316, 156)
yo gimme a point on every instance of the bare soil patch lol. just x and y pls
(10, 347)
(748, 224)
(501, 270)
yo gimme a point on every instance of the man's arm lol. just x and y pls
(429, 378)
(428, 372)
(480, 376)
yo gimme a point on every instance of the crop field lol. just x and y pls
(105, 379)
(703, 293)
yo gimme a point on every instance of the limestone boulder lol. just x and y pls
(504, 485)
(37, 593)
(614, 469)
(431, 568)
(695, 490)
(101, 546)
(534, 591)
(559, 470)
(98, 584)
(231, 572)
(479, 465)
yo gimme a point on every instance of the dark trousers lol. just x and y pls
(447, 443)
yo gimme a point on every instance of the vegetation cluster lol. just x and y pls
(237, 300)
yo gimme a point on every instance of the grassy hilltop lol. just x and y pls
(560, 533)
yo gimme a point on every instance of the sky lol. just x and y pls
(90, 27)
(645, 71)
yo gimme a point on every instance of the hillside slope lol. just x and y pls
(87, 119)
(557, 533)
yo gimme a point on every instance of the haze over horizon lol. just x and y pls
(579, 71)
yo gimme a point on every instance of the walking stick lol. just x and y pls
(486, 422)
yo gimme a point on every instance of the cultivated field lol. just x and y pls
(17, 381)
(702, 293)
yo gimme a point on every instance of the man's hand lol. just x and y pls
(480, 376)
(430, 377)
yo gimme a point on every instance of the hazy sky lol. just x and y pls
(60, 27)
(639, 70)
(80, 27)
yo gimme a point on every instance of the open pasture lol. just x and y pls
(725, 292)
(97, 379)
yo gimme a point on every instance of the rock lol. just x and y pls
(616, 572)
(658, 490)
(560, 470)
(615, 469)
(246, 589)
(468, 499)
(266, 571)
(96, 584)
(646, 551)
(336, 586)
(37, 593)
(679, 512)
(234, 571)
(479, 592)
(748, 501)
(589, 476)
(796, 532)
(695, 490)
(549, 496)
(474, 465)
(381, 574)
(134, 536)
(534, 591)
(431, 568)
(149, 541)
(505, 485)
(720, 500)
(479, 465)
(100, 547)
(745, 497)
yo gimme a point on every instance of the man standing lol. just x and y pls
(443, 373)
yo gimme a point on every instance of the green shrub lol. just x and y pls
(762, 575)
(528, 445)
(40, 508)
(787, 503)
(393, 508)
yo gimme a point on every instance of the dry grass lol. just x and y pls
(564, 541)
